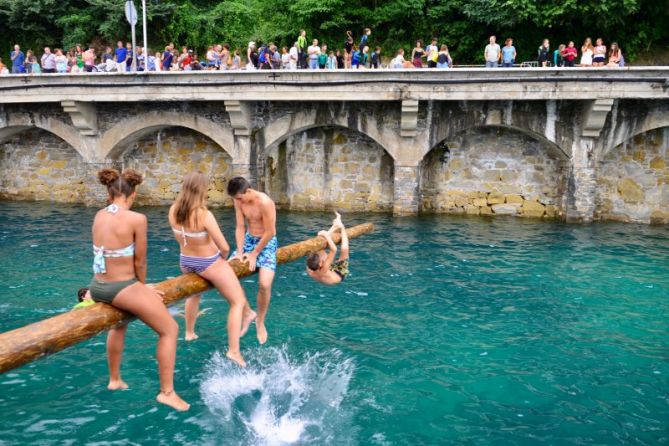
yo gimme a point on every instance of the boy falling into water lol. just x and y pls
(321, 265)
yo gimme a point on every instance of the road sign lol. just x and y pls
(131, 12)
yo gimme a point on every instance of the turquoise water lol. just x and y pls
(449, 330)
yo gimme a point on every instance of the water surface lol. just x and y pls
(449, 330)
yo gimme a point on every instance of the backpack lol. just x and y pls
(262, 57)
(356, 58)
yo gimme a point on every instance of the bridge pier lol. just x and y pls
(405, 197)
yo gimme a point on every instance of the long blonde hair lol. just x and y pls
(192, 198)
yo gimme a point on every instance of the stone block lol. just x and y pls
(513, 199)
(630, 191)
(485, 210)
(491, 175)
(461, 200)
(639, 155)
(659, 217)
(508, 176)
(506, 209)
(658, 163)
(533, 208)
(471, 210)
(495, 198)
(480, 202)
(551, 211)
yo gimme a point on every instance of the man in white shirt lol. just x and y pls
(294, 54)
(492, 53)
(314, 51)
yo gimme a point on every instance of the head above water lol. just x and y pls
(238, 188)
(120, 184)
(315, 260)
(192, 197)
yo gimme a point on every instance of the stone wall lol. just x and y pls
(325, 168)
(633, 180)
(495, 171)
(167, 155)
(36, 165)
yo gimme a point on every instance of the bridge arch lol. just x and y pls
(67, 133)
(282, 128)
(486, 165)
(652, 121)
(116, 140)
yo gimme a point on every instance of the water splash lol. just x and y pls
(281, 399)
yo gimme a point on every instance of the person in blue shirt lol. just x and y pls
(508, 54)
(363, 41)
(130, 56)
(18, 60)
(121, 56)
(167, 59)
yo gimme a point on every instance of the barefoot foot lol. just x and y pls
(261, 332)
(237, 358)
(173, 400)
(117, 384)
(246, 322)
(191, 336)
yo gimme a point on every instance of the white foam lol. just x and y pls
(279, 399)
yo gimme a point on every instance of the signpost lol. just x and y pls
(146, 43)
(131, 16)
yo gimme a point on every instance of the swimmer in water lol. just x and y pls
(204, 251)
(84, 298)
(321, 265)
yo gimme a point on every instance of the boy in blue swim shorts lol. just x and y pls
(255, 235)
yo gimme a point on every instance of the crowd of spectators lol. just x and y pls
(300, 55)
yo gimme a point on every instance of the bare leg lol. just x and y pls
(221, 275)
(343, 250)
(266, 276)
(192, 310)
(247, 319)
(115, 343)
(147, 305)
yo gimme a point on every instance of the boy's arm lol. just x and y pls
(240, 231)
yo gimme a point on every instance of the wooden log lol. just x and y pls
(26, 344)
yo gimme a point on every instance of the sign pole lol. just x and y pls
(134, 51)
(146, 43)
(131, 16)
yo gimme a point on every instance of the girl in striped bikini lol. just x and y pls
(203, 252)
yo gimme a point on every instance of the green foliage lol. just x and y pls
(638, 25)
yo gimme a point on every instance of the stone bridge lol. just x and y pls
(574, 144)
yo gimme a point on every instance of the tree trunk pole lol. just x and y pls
(26, 344)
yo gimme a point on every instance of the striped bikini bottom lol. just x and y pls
(197, 265)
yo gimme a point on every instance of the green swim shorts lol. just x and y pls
(341, 268)
(107, 291)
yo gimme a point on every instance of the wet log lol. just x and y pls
(26, 344)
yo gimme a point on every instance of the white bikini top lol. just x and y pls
(185, 234)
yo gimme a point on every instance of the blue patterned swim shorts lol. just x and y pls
(267, 257)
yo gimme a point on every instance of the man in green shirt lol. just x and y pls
(301, 48)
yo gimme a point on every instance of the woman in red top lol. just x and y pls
(569, 54)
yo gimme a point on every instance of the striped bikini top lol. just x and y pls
(100, 253)
(185, 234)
